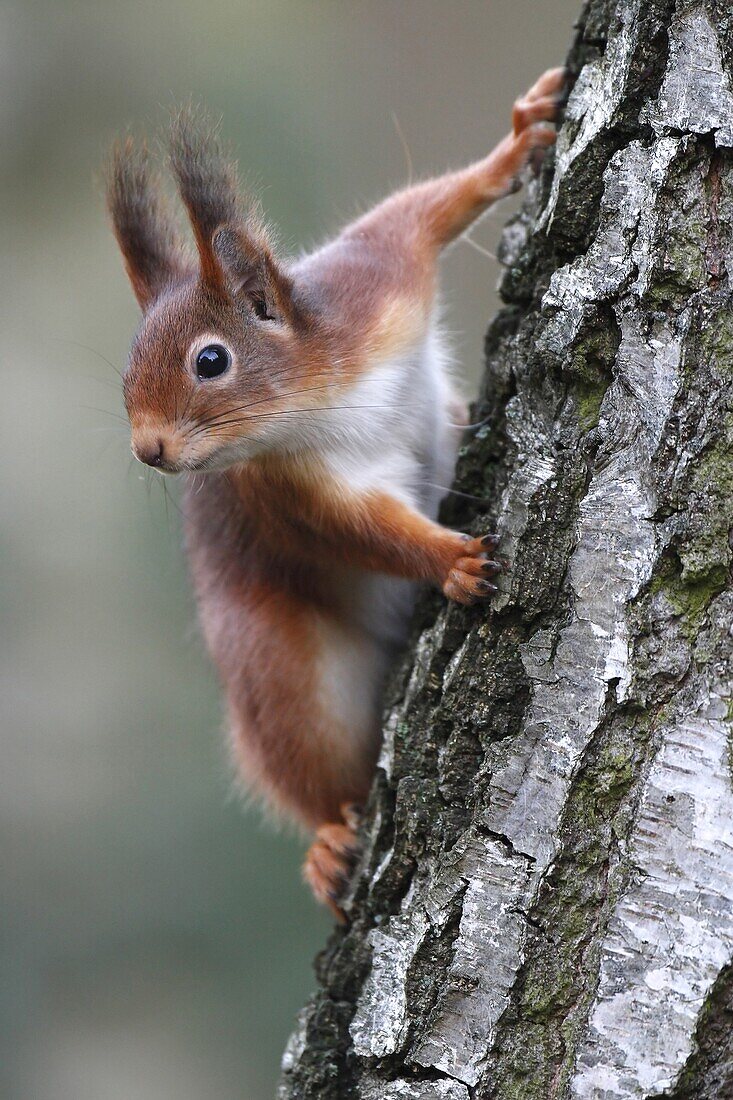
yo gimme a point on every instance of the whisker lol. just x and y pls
(303, 413)
(264, 400)
(105, 444)
(146, 481)
(478, 247)
(472, 427)
(405, 147)
(120, 432)
(107, 412)
(455, 492)
(173, 501)
(165, 503)
(326, 373)
(168, 499)
(187, 406)
(213, 419)
(102, 381)
(86, 347)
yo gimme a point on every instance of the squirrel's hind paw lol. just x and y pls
(330, 861)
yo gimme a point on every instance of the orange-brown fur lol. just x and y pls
(284, 524)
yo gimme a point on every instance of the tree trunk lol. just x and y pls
(545, 907)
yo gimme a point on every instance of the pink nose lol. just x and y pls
(153, 454)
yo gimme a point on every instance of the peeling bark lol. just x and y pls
(545, 903)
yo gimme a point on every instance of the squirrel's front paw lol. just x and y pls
(468, 579)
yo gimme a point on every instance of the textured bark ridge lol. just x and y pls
(545, 907)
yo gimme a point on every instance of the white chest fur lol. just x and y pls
(393, 434)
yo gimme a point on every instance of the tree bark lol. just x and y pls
(545, 904)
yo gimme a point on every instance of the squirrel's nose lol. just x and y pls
(153, 455)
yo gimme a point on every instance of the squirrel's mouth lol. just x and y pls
(165, 468)
(202, 466)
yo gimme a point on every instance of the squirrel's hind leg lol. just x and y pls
(304, 709)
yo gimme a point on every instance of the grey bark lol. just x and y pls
(545, 903)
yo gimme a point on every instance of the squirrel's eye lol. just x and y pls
(212, 360)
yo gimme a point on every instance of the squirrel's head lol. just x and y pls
(223, 349)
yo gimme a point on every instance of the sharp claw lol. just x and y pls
(492, 567)
(486, 587)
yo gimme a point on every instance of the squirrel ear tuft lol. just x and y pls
(253, 273)
(153, 256)
(207, 181)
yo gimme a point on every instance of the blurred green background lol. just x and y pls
(156, 939)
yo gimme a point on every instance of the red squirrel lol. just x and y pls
(310, 409)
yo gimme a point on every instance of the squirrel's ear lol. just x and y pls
(253, 273)
(152, 253)
(207, 181)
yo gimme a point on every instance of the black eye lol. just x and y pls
(212, 360)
